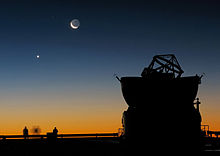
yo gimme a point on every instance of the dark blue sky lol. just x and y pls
(115, 37)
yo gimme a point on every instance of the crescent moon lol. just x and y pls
(74, 27)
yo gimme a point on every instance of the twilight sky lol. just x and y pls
(72, 85)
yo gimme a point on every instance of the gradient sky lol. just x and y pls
(72, 86)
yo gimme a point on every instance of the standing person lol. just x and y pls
(25, 132)
(55, 131)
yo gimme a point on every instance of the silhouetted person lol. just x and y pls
(55, 131)
(25, 132)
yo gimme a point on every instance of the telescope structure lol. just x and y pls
(161, 112)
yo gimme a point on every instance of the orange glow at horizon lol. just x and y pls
(69, 115)
(90, 112)
(210, 106)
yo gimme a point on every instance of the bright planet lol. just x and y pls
(75, 24)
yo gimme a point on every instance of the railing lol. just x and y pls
(215, 133)
(60, 135)
(205, 127)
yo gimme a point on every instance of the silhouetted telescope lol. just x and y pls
(163, 81)
(162, 100)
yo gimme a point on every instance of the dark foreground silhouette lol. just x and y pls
(161, 108)
(62, 147)
(101, 146)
